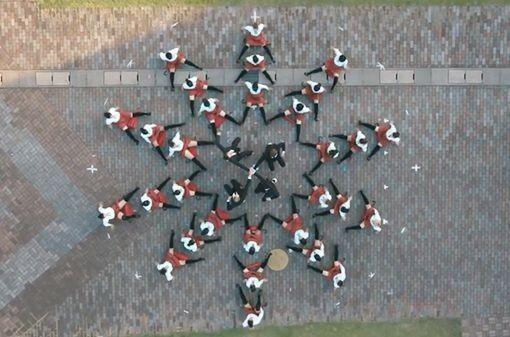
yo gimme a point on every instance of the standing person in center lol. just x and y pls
(215, 114)
(255, 98)
(327, 151)
(216, 219)
(333, 67)
(253, 273)
(316, 252)
(313, 91)
(173, 60)
(155, 134)
(236, 192)
(319, 196)
(196, 88)
(254, 313)
(272, 153)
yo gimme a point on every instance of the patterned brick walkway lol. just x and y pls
(56, 263)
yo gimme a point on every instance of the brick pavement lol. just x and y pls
(448, 263)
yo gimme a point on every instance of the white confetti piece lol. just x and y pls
(130, 63)
(174, 25)
(138, 276)
(92, 169)
(385, 187)
(403, 230)
(384, 221)
(380, 66)
(371, 275)
(407, 112)
(186, 312)
(108, 235)
(106, 101)
(415, 168)
(341, 28)
(385, 153)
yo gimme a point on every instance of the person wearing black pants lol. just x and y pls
(155, 134)
(154, 198)
(253, 273)
(173, 59)
(236, 192)
(294, 225)
(193, 242)
(336, 273)
(234, 153)
(327, 151)
(314, 253)
(254, 313)
(268, 188)
(272, 153)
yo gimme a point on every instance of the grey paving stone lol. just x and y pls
(456, 76)
(371, 77)
(388, 77)
(406, 77)
(112, 77)
(78, 78)
(423, 76)
(354, 77)
(474, 76)
(147, 78)
(61, 78)
(10, 78)
(216, 77)
(491, 76)
(129, 77)
(439, 76)
(43, 78)
(95, 78)
(505, 76)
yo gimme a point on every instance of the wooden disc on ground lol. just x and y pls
(278, 260)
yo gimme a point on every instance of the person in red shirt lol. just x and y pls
(333, 67)
(254, 63)
(327, 151)
(185, 188)
(357, 142)
(121, 210)
(254, 313)
(253, 273)
(215, 114)
(154, 198)
(191, 241)
(294, 225)
(255, 37)
(216, 219)
(187, 147)
(385, 134)
(371, 217)
(124, 120)
(255, 98)
(253, 237)
(313, 91)
(155, 134)
(174, 260)
(196, 88)
(173, 60)
(316, 252)
(341, 206)
(295, 115)
(335, 273)
(319, 195)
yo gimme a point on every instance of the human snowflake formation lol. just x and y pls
(184, 188)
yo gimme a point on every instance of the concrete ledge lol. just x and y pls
(491, 76)
(129, 77)
(78, 78)
(43, 78)
(95, 78)
(422, 76)
(505, 77)
(405, 76)
(112, 78)
(457, 76)
(147, 78)
(389, 76)
(61, 78)
(371, 77)
(438, 76)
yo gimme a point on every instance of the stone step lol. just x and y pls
(226, 76)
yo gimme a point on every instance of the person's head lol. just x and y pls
(274, 180)
(363, 141)
(251, 251)
(146, 203)
(317, 87)
(162, 271)
(317, 257)
(177, 192)
(171, 143)
(303, 241)
(236, 197)
(255, 58)
(189, 83)
(250, 323)
(253, 288)
(144, 131)
(396, 134)
(205, 102)
(299, 106)
(344, 209)
(273, 152)
(204, 231)
(339, 283)
(101, 216)
(190, 243)
(168, 55)
(107, 115)
(255, 86)
(333, 153)
(342, 58)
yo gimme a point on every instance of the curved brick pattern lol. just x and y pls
(395, 36)
(438, 267)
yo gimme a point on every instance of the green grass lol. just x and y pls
(127, 3)
(411, 328)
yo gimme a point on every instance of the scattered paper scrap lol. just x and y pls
(380, 66)
(92, 169)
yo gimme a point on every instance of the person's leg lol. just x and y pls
(365, 199)
(268, 51)
(352, 228)
(203, 194)
(214, 130)
(246, 223)
(171, 241)
(235, 219)
(308, 144)
(167, 206)
(192, 107)
(300, 196)
(190, 261)
(336, 253)
(188, 62)
(298, 132)
(245, 48)
(199, 164)
(134, 216)
(241, 294)
(339, 136)
(259, 302)
(163, 184)
(192, 222)
(131, 136)
(239, 263)
(293, 93)
(266, 75)
(374, 151)
(129, 195)
(263, 113)
(215, 203)
(213, 88)
(316, 167)
(270, 163)
(245, 114)
(241, 74)
(193, 175)
(316, 233)
(314, 71)
(333, 186)
(244, 154)
(278, 115)
(345, 157)
(323, 213)
(204, 142)
(277, 220)
(266, 260)
(172, 126)
(370, 126)
(235, 142)
(138, 114)
(280, 161)
(261, 223)
(316, 111)
(335, 81)
(217, 239)
(172, 80)
(315, 269)
(309, 180)
(293, 205)
(296, 249)
(232, 119)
